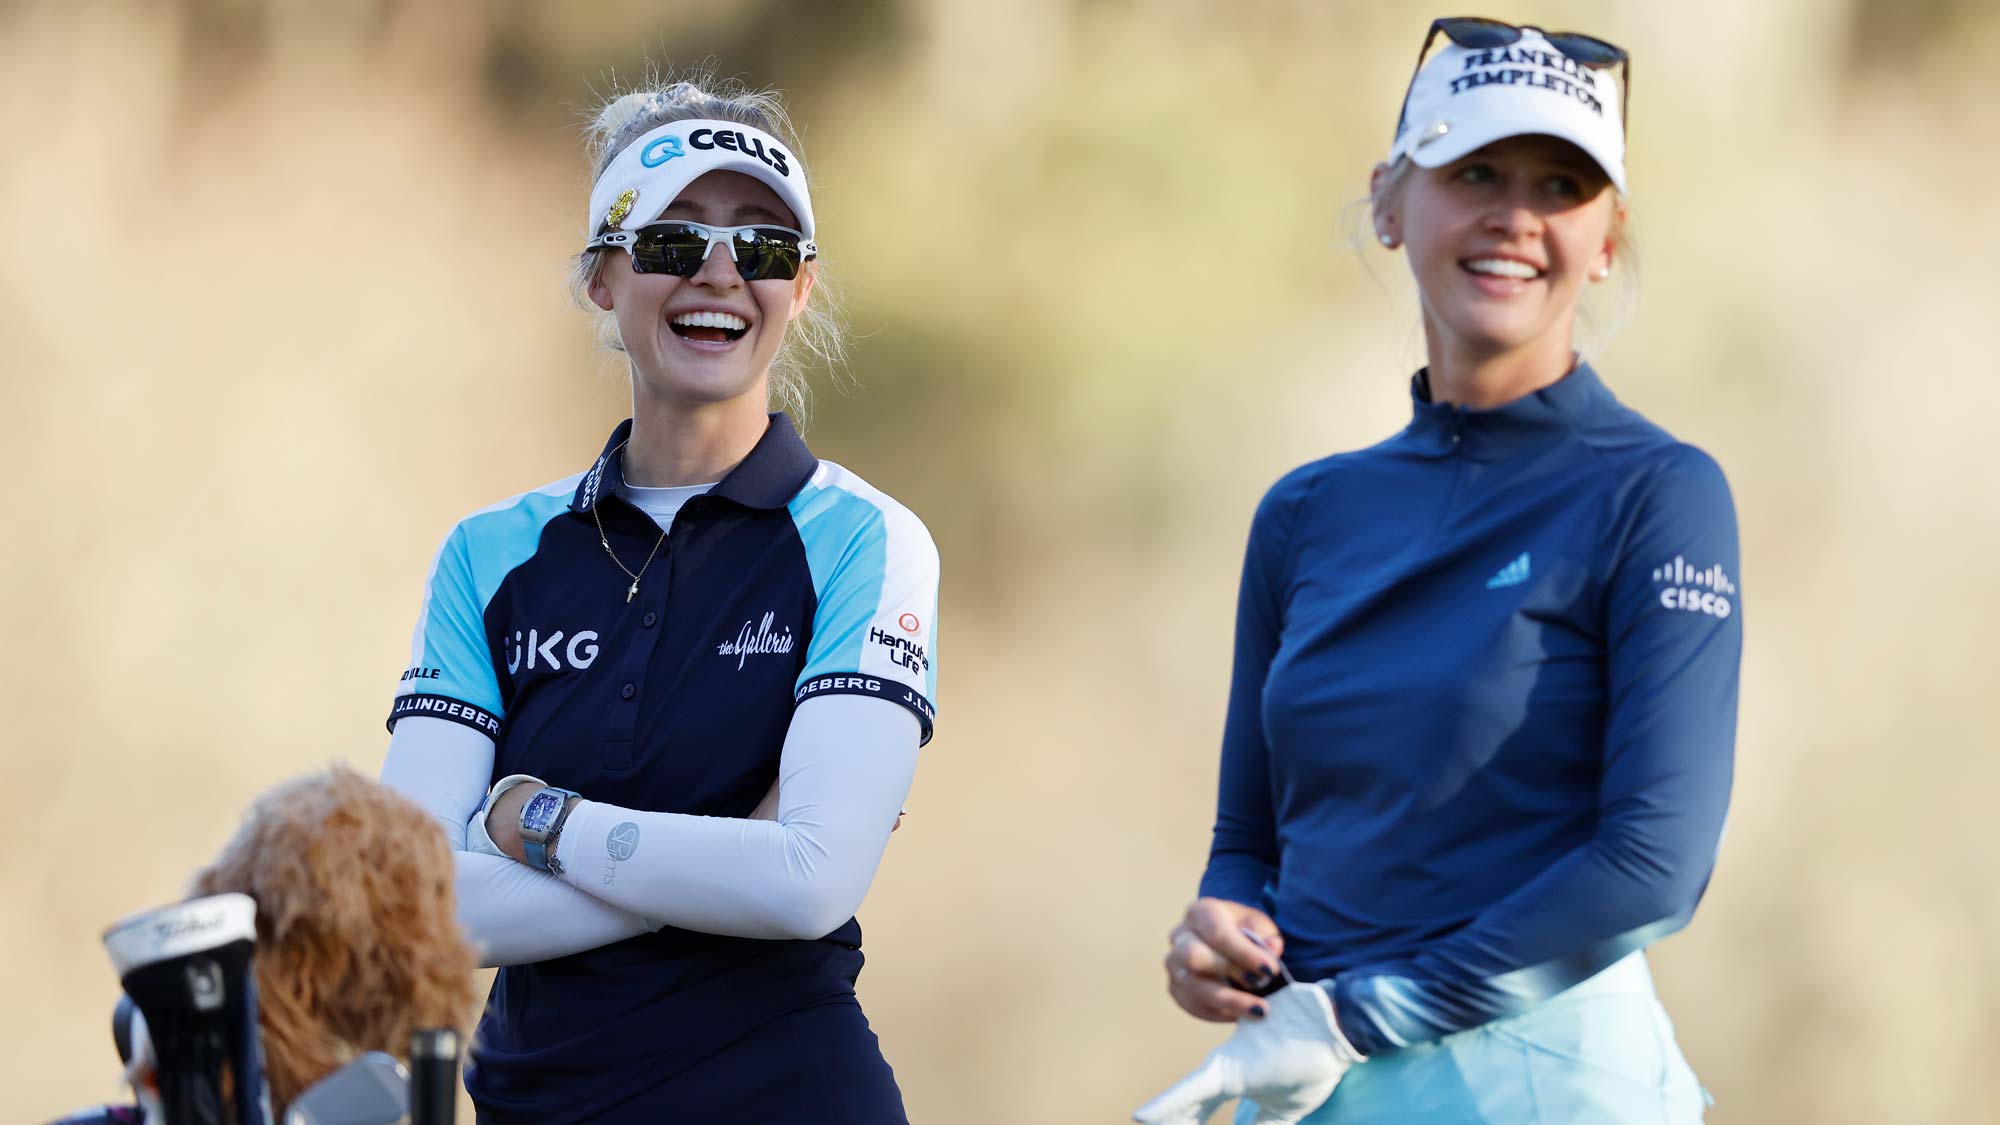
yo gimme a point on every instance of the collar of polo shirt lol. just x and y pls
(777, 467)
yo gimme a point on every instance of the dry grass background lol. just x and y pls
(280, 299)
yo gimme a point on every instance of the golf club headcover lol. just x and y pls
(188, 968)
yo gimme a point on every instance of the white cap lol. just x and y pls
(651, 172)
(1464, 99)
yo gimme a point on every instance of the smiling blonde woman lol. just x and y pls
(667, 709)
(1482, 723)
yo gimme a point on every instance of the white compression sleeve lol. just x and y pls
(442, 767)
(845, 769)
(512, 912)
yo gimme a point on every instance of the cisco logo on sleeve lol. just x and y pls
(1696, 591)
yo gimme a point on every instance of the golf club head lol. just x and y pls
(188, 968)
(374, 1089)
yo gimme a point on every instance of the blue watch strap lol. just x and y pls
(538, 854)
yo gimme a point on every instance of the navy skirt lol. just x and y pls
(816, 1066)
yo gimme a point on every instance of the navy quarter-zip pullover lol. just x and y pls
(1482, 719)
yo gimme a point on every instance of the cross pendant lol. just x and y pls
(633, 592)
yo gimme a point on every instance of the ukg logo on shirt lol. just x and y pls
(538, 651)
(1696, 591)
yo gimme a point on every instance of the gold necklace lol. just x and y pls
(603, 539)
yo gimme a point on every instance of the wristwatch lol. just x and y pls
(541, 823)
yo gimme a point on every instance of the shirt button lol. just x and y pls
(649, 619)
(1454, 439)
(628, 691)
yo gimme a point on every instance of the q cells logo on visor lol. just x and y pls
(661, 151)
(735, 141)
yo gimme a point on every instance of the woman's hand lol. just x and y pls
(1210, 963)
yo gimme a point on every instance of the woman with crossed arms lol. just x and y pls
(1480, 731)
(668, 708)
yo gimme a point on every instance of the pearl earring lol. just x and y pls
(1386, 240)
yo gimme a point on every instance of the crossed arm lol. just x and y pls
(843, 774)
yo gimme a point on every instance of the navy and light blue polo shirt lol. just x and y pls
(1482, 720)
(790, 578)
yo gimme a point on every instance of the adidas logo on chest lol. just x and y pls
(1513, 574)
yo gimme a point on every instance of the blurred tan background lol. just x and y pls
(280, 298)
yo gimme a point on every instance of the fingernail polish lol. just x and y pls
(1259, 1012)
(1260, 978)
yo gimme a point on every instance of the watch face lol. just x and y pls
(540, 812)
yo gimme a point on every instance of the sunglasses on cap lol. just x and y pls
(679, 247)
(1480, 34)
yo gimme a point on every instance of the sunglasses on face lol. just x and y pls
(679, 247)
(1479, 34)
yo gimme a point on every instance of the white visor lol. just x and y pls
(1465, 98)
(651, 172)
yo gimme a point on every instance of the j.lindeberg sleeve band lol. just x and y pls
(843, 774)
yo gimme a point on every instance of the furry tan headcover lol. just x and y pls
(358, 941)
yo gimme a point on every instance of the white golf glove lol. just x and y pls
(1288, 1063)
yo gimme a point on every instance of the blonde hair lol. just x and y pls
(818, 334)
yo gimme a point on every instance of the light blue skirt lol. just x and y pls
(1601, 1052)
